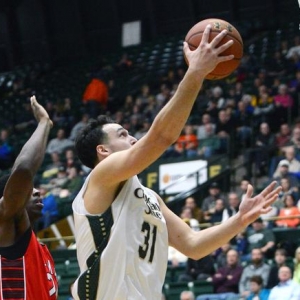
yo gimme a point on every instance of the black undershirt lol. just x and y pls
(19, 248)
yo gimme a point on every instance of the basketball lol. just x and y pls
(223, 69)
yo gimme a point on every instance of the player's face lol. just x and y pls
(35, 204)
(118, 138)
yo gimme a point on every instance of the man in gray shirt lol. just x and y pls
(256, 267)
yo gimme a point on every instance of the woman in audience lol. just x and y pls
(289, 210)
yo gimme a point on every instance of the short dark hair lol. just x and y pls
(257, 279)
(3, 181)
(88, 139)
(281, 251)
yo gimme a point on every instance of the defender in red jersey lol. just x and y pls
(26, 266)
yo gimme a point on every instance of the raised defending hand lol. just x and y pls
(252, 208)
(206, 57)
(39, 111)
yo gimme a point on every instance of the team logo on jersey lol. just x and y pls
(152, 207)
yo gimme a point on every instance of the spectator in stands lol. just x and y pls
(95, 96)
(261, 238)
(294, 84)
(196, 211)
(286, 189)
(124, 64)
(126, 109)
(70, 159)
(240, 243)
(233, 203)
(7, 155)
(187, 295)
(286, 289)
(218, 214)
(284, 47)
(59, 144)
(217, 96)
(289, 210)
(277, 65)
(202, 130)
(243, 187)
(51, 169)
(295, 140)
(212, 110)
(283, 103)
(226, 279)
(50, 208)
(211, 144)
(283, 136)
(257, 292)
(143, 129)
(151, 109)
(163, 96)
(263, 151)
(209, 202)
(73, 183)
(294, 163)
(220, 255)
(187, 143)
(200, 269)
(78, 126)
(24, 121)
(63, 116)
(295, 48)
(283, 172)
(56, 183)
(144, 95)
(264, 110)
(187, 216)
(255, 267)
(225, 129)
(296, 275)
(279, 261)
(243, 120)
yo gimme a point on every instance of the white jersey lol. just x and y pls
(123, 252)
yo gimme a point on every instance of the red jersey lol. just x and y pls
(30, 277)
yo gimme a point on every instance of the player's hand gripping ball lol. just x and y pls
(223, 69)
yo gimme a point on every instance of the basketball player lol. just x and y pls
(122, 228)
(27, 269)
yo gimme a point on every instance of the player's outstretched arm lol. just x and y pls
(20, 184)
(199, 244)
(171, 119)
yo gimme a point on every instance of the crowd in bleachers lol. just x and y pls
(253, 113)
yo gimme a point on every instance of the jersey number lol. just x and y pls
(149, 241)
(50, 274)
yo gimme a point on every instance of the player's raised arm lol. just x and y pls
(26, 165)
(168, 123)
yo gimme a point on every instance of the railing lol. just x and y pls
(223, 160)
(202, 225)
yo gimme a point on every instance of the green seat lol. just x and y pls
(64, 286)
(201, 287)
(172, 290)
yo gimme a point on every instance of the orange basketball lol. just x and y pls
(223, 69)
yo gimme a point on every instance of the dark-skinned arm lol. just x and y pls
(19, 187)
